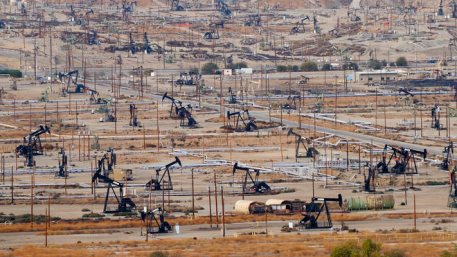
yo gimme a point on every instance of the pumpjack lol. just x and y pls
(232, 99)
(452, 200)
(159, 183)
(147, 49)
(223, 8)
(253, 20)
(447, 154)
(454, 9)
(257, 187)
(92, 38)
(369, 179)
(211, 35)
(132, 46)
(319, 208)
(107, 162)
(405, 91)
(440, 9)
(249, 126)
(150, 218)
(23, 9)
(124, 204)
(403, 157)
(174, 104)
(95, 97)
(292, 103)
(436, 117)
(300, 26)
(184, 114)
(188, 79)
(32, 145)
(133, 116)
(63, 164)
(176, 6)
(316, 28)
(71, 78)
(2, 24)
(127, 8)
(311, 152)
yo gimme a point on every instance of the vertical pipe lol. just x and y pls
(215, 199)
(193, 195)
(223, 211)
(210, 211)
(12, 185)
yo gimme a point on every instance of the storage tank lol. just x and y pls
(370, 202)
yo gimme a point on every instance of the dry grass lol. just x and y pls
(414, 244)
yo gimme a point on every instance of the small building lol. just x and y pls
(249, 207)
(227, 72)
(279, 206)
(379, 76)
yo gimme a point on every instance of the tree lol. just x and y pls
(374, 64)
(350, 66)
(401, 61)
(209, 68)
(309, 66)
(281, 68)
(326, 67)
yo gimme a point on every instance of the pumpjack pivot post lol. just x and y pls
(232, 99)
(159, 183)
(300, 141)
(150, 217)
(249, 126)
(256, 187)
(317, 209)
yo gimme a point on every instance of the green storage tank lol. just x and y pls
(370, 202)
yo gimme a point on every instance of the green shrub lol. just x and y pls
(12, 73)
(401, 61)
(158, 254)
(309, 66)
(209, 68)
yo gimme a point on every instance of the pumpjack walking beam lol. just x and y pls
(259, 187)
(159, 183)
(311, 152)
(174, 104)
(124, 204)
(315, 209)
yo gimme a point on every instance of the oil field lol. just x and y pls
(228, 128)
